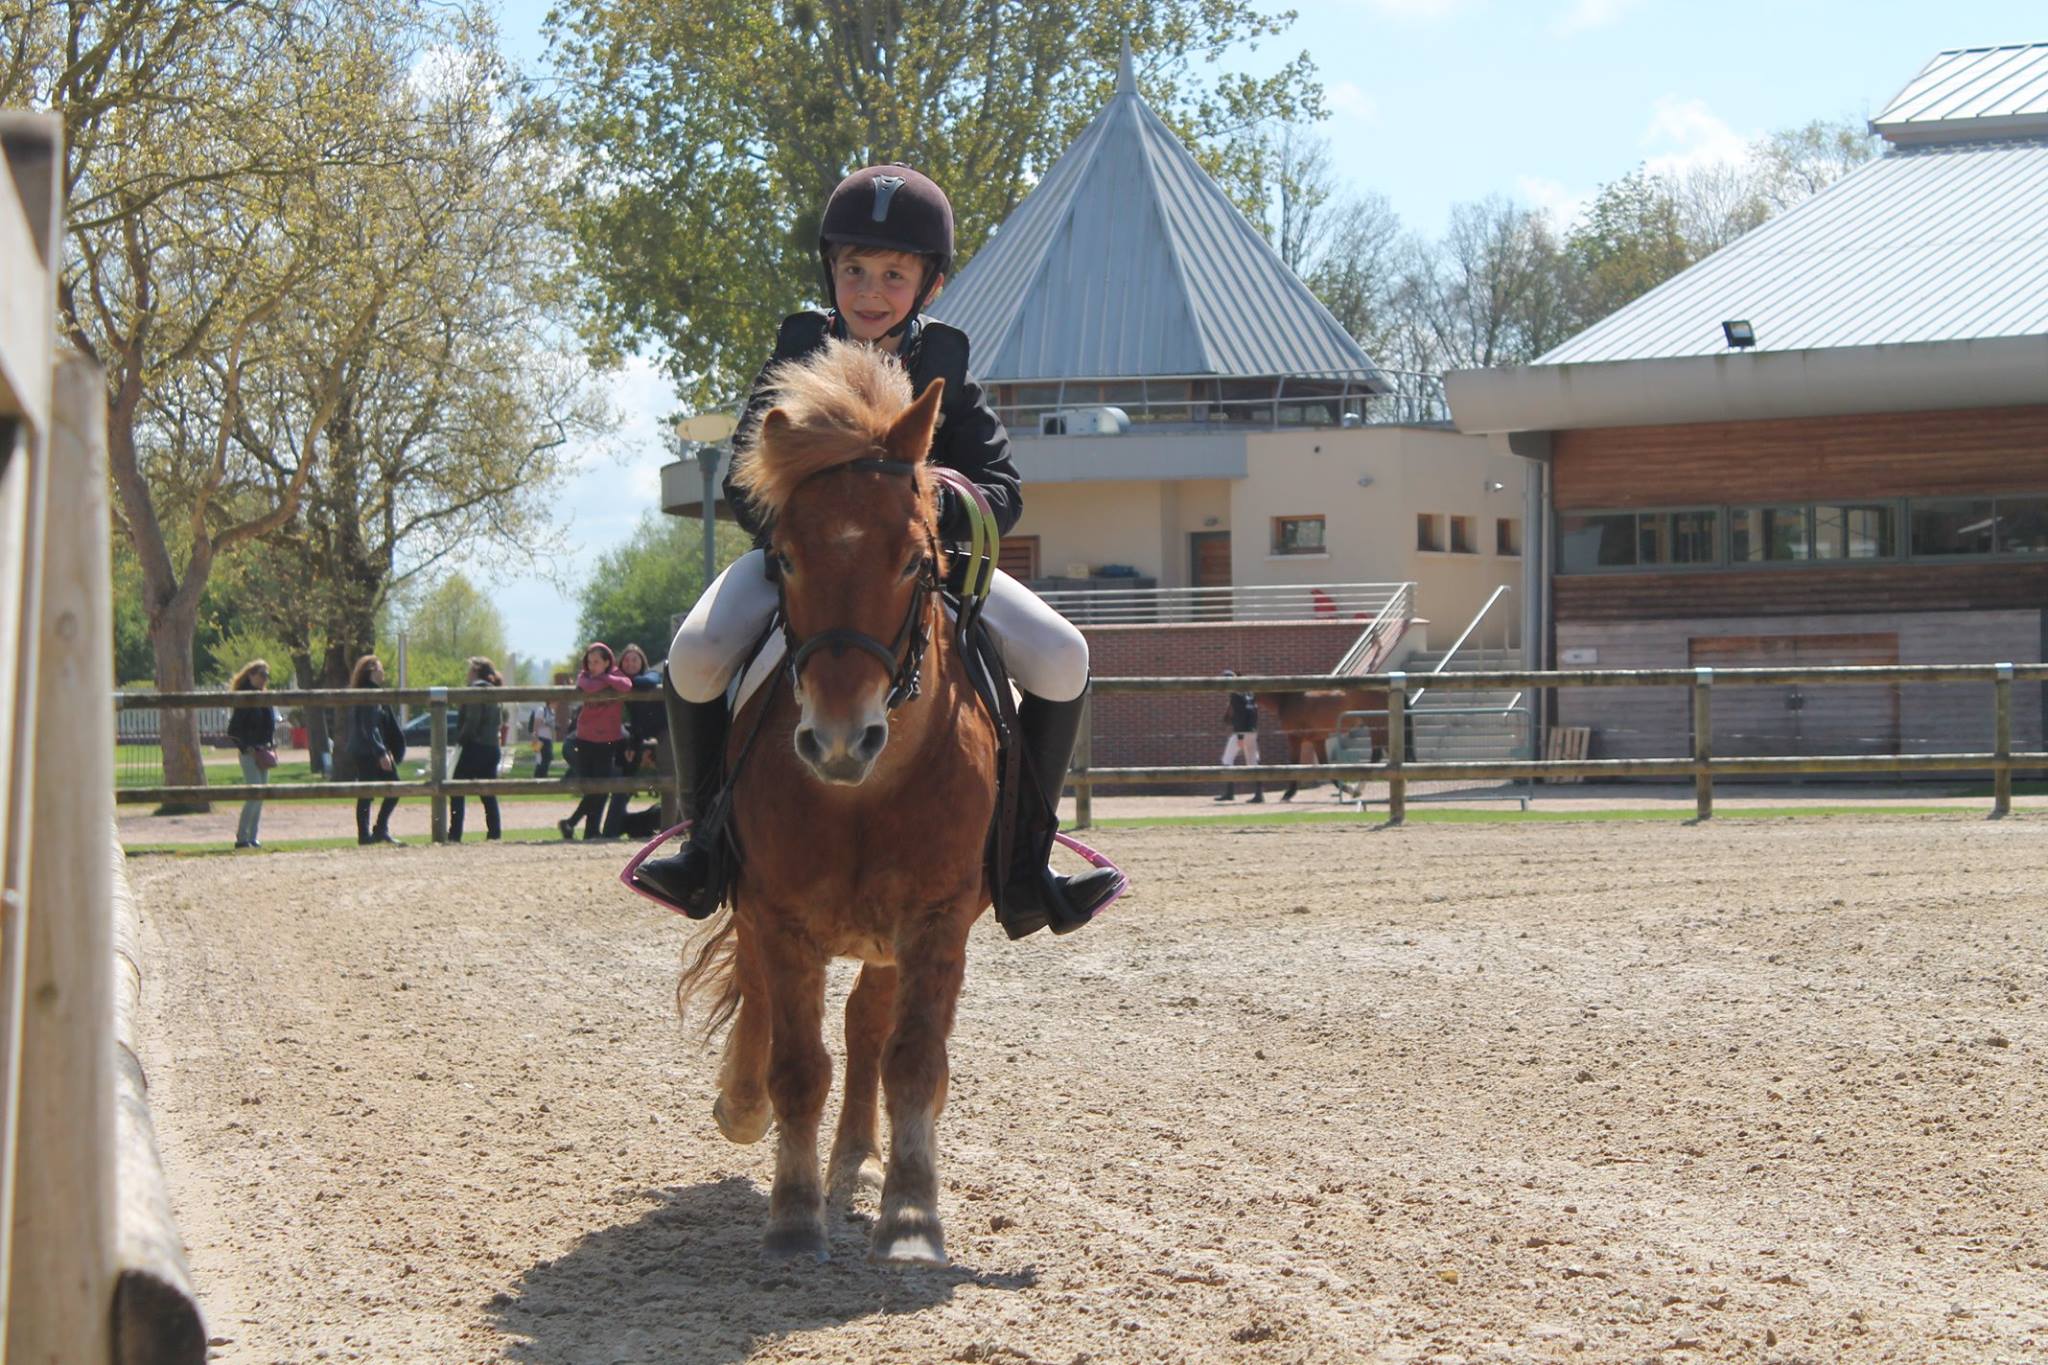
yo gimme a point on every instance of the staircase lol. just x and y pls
(1467, 727)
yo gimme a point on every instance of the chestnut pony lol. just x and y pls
(1308, 720)
(862, 812)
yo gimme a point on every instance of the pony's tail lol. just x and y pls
(714, 968)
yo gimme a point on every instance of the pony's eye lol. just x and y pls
(910, 569)
(784, 562)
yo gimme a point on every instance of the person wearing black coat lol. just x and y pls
(254, 730)
(478, 725)
(1242, 716)
(376, 746)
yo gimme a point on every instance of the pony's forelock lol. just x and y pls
(840, 401)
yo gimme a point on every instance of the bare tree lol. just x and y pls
(1493, 292)
(1299, 222)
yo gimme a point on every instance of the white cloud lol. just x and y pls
(1583, 15)
(1687, 133)
(1561, 203)
(1348, 100)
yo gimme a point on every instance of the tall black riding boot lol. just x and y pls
(1034, 896)
(363, 820)
(381, 834)
(692, 880)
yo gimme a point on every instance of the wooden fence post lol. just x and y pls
(1397, 747)
(2001, 742)
(437, 760)
(1703, 741)
(61, 1290)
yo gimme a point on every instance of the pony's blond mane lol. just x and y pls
(840, 401)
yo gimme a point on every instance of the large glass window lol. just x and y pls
(1603, 540)
(2023, 526)
(1676, 537)
(1761, 535)
(1854, 532)
(1954, 526)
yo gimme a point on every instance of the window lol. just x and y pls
(1854, 532)
(1676, 537)
(1298, 536)
(1462, 542)
(1956, 526)
(1017, 556)
(1507, 536)
(2023, 526)
(1759, 535)
(1596, 541)
(1429, 531)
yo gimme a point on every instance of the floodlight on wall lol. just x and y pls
(1365, 480)
(1493, 486)
(1740, 334)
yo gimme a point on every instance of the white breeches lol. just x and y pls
(1245, 742)
(1043, 651)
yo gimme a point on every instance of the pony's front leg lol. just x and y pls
(930, 968)
(857, 1146)
(799, 1074)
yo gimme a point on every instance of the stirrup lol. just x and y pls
(684, 901)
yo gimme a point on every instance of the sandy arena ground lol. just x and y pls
(1760, 1091)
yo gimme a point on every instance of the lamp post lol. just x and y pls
(704, 433)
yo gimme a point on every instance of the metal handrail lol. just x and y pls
(1459, 644)
(1400, 607)
(1266, 602)
(1415, 397)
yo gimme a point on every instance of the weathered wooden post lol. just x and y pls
(1397, 747)
(61, 1287)
(2001, 742)
(1703, 741)
(1084, 758)
(437, 759)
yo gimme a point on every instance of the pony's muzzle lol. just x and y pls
(841, 754)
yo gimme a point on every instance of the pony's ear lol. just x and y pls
(910, 435)
(776, 423)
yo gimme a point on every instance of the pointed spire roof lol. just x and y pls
(1126, 261)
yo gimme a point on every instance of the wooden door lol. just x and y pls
(1817, 718)
(1017, 556)
(1209, 559)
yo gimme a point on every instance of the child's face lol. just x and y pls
(874, 290)
(596, 661)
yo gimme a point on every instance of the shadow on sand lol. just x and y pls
(687, 1282)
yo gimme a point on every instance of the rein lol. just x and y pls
(913, 637)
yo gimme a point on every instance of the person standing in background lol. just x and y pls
(477, 730)
(254, 730)
(542, 723)
(376, 745)
(1242, 716)
(600, 724)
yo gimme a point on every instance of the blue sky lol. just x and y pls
(1434, 102)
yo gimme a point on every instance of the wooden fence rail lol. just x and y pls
(1396, 771)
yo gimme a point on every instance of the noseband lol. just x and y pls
(905, 672)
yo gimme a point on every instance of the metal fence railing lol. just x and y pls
(1106, 606)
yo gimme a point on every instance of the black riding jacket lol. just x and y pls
(970, 438)
(1243, 714)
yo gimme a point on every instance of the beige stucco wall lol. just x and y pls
(1369, 531)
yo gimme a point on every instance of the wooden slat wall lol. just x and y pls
(1807, 459)
(1799, 591)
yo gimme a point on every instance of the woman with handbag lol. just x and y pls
(253, 729)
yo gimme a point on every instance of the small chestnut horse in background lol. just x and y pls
(1308, 720)
(862, 816)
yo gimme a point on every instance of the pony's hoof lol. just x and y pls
(848, 1179)
(743, 1128)
(909, 1239)
(797, 1240)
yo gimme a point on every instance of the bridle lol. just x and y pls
(903, 657)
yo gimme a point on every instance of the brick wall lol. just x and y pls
(1185, 729)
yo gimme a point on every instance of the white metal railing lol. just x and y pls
(1459, 643)
(1323, 398)
(1187, 606)
(1367, 650)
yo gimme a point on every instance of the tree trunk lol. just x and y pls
(315, 717)
(170, 638)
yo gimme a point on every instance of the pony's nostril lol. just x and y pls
(807, 745)
(871, 741)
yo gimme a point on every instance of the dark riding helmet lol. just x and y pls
(898, 209)
(891, 206)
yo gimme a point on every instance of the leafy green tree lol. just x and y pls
(455, 619)
(636, 589)
(708, 134)
(1629, 241)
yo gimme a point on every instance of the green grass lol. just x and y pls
(624, 847)
(1378, 816)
